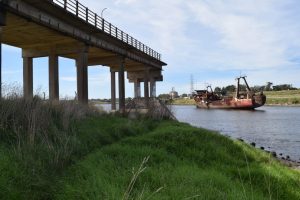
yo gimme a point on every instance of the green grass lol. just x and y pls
(286, 97)
(181, 101)
(96, 157)
(184, 162)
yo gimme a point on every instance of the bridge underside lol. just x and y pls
(37, 39)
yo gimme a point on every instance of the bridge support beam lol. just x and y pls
(82, 77)
(137, 88)
(53, 78)
(122, 87)
(2, 22)
(146, 86)
(113, 90)
(152, 87)
(28, 77)
(0, 67)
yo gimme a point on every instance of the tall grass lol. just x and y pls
(39, 139)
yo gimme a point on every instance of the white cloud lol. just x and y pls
(248, 30)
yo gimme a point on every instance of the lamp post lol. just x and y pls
(103, 12)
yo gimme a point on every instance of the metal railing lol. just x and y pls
(76, 8)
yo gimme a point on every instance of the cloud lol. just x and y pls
(248, 31)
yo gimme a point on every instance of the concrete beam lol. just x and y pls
(105, 61)
(0, 60)
(82, 77)
(53, 78)
(146, 85)
(2, 16)
(152, 87)
(132, 75)
(28, 77)
(0, 69)
(122, 87)
(113, 90)
(137, 89)
(58, 50)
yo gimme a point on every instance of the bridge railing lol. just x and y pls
(82, 12)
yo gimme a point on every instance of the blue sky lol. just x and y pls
(213, 40)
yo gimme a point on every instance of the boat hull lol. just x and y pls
(233, 103)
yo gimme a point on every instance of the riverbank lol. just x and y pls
(100, 156)
(274, 98)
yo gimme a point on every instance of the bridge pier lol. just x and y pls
(152, 87)
(28, 77)
(113, 89)
(146, 76)
(0, 67)
(53, 78)
(2, 23)
(82, 77)
(137, 88)
(146, 85)
(122, 87)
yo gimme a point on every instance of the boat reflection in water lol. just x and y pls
(247, 100)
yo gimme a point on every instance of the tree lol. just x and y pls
(230, 88)
(218, 90)
(283, 87)
(268, 86)
(184, 95)
(164, 96)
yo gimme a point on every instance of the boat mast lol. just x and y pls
(248, 88)
(237, 95)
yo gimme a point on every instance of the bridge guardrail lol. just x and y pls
(82, 12)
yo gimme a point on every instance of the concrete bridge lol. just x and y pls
(66, 28)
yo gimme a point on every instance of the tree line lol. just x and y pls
(267, 87)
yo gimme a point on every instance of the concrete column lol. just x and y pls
(113, 90)
(1, 23)
(28, 77)
(146, 86)
(137, 88)
(82, 77)
(0, 67)
(53, 78)
(122, 87)
(152, 88)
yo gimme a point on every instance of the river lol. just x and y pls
(275, 128)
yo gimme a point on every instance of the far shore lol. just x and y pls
(289, 98)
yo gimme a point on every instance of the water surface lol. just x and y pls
(275, 128)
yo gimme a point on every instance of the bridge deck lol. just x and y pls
(40, 26)
(52, 28)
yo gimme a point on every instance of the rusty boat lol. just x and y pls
(247, 100)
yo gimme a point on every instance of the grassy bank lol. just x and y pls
(286, 97)
(99, 156)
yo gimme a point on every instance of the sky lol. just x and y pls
(213, 41)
